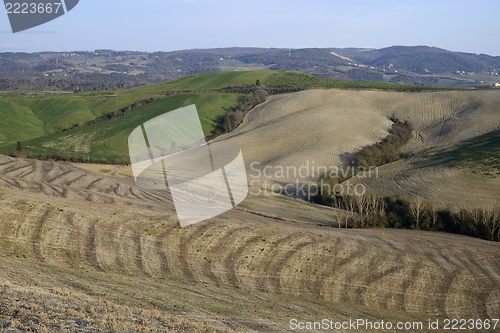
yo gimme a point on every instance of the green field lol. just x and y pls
(107, 141)
(210, 81)
(271, 79)
(293, 79)
(37, 119)
(24, 118)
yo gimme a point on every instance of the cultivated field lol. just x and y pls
(83, 239)
(325, 127)
(86, 248)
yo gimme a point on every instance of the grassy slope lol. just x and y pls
(272, 79)
(37, 121)
(24, 118)
(292, 79)
(208, 81)
(107, 141)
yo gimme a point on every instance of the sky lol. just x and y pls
(168, 25)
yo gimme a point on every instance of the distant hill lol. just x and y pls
(423, 59)
(111, 70)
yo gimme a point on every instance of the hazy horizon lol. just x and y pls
(157, 25)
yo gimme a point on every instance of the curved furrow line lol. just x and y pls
(32, 171)
(115, 189)
(14, 167)
(389, 243)
(483, 278)
(59, 191)
(351, 275)
(218, 248)
(73, 254)
(8, 160)
(230, 260)
(47, 168)
(10, 183)
(441, 296)
(275, 277)
(93, 183)
(153, 197)
(20, 205)
(238, 251)
(74, 180)
(139, 261)
(273, 260)
(117, 242)
(400, 299)
(159, 245)
(36, 238)
(185, 243)
(320, 273)
(221, 248)
(58, 177)
(469, 259)
(442, 276)
(346, 279)
(91, 247)
(164, 262)
(131, 191)
(377, 275)
(274, 273)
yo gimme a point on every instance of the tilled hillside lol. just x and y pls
(62, 216)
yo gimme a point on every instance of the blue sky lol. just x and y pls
(166, 25)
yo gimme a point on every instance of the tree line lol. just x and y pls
(372, 211)
(369, 210)
(256, 94)
(388, 150)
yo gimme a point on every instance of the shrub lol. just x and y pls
(387, 150)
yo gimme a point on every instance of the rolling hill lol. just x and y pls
(87, 250)
(423, 59)
(112, 70)
(450, 163)
(96, 251)
(46, 116)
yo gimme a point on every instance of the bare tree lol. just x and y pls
(349, 207)
(338, 215)
(462, 215)
(433, 210)
(476, 217)
(417, 210)
(373, 203)
(491, 220)
(381, 209)
(362, 203)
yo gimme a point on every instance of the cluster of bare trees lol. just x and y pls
(370, 210)
(483, 223)
(361, 211)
